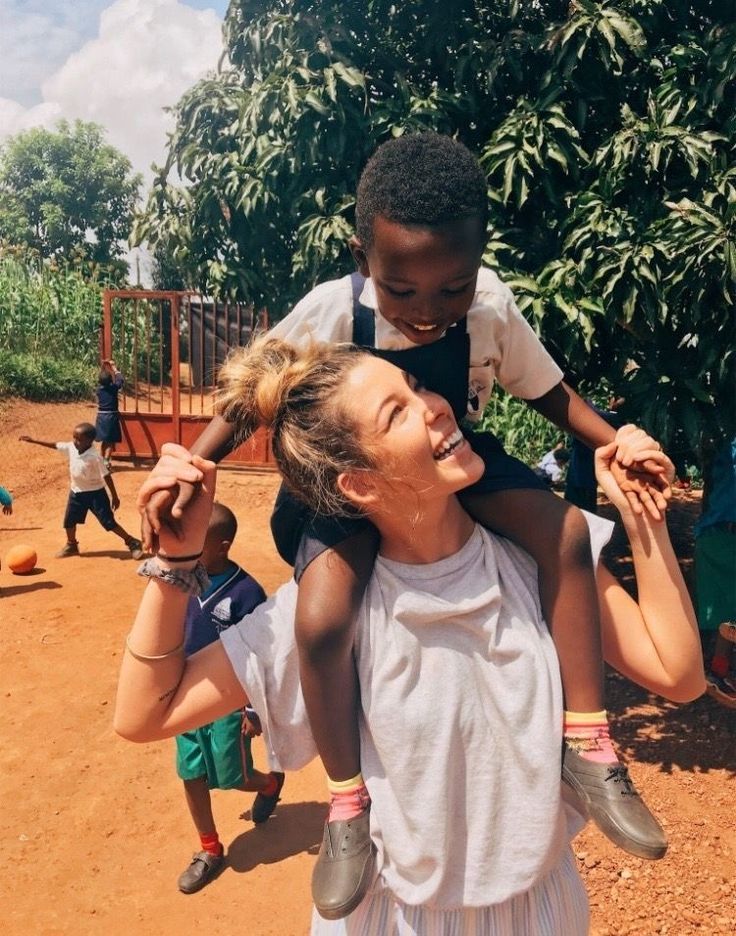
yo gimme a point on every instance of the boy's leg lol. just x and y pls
(559, 541)
(266, 785)
(719, 684)
(206, 863)
(75, 513)
(102, 509)
(330, 591)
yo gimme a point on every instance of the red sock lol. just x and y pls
(211, 843)
(273, 785)
(720, 664)
(588, 735)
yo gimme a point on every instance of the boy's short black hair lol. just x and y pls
(223, 521)
(87, 430)
(105, 378)
(422, 179)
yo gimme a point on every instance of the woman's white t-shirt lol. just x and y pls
(461, 719)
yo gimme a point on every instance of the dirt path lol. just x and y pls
(95, 830)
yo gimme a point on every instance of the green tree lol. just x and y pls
(606, 130)
(67, 194)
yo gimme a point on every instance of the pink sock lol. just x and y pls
(347, 801)
(587, 733)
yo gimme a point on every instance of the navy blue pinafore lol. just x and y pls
(442, 367)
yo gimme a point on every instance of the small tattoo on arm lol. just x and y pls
(168, 693)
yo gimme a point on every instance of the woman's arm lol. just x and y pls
(654, 641)
(160, 691)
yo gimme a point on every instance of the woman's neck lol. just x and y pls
(440, 531)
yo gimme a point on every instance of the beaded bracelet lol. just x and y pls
(191, 581)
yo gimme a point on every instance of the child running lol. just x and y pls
(89, 475)
(423, 301)
(107, 425)
(218, 755)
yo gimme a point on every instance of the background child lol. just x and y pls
(715, 565)
(424, 302)
(107, 425)
(218, 755)
(6, 500)
(552, 466)
(89, 475)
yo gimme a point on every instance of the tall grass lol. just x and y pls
(525, 433)
(50, 318)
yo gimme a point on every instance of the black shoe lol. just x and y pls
(264, 805)
(204, 867)
(721, 688)
(344, 868)
(613, 803)
(71, 549)
(135, 548)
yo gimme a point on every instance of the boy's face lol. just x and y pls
(214, 551)
(424, 277)
(81, 441)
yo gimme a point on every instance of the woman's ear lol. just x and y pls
(359, 488)
(359, 255)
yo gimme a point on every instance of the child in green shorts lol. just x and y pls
(218, 755)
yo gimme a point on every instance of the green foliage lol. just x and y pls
(67, 194)
(50, 318)
(42, 377)
(607, 130)
(525, 433)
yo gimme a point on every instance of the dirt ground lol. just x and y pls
(95, 830)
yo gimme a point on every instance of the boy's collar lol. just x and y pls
(368, 295)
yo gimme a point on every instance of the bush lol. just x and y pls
(525, 433)
(43, 377)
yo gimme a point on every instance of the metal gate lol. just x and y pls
(169, 346)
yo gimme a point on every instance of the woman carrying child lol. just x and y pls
(461, 702)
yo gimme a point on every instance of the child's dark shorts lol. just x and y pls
(82, 501)
(301, 535)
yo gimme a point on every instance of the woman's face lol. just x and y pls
(411, 432)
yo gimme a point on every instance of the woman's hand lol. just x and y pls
(177, 466)
(637, 447)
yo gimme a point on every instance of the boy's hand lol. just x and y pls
(165, 503)
(177, 465)
(606, 468)
(251, 726)
(115, 502)
(641, 471)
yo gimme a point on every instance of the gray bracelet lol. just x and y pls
(191, 581)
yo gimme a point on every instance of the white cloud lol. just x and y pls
(36, 38)
(145, 55)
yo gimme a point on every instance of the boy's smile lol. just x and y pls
(424, 277)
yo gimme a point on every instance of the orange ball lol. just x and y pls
(21, 559)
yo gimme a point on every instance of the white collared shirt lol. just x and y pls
(503, 346)
(87, 471)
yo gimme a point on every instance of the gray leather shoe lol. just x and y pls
(203, 868)
(614, 804)
(344, 868)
